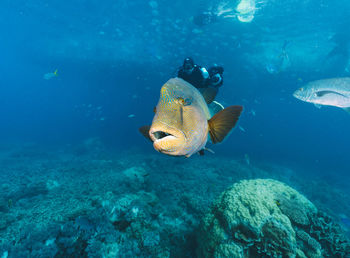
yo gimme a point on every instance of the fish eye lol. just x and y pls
(184, 102)
(180, 100)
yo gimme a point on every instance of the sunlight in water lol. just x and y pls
(244, 11)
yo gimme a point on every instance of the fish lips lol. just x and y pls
(167, 139)
(299, 95)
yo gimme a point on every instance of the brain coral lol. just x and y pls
(259, 218)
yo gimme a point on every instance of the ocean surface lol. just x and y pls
(77, 80)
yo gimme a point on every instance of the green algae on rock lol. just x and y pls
(262, 218)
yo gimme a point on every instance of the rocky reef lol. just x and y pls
(87, 201)
(266, 218)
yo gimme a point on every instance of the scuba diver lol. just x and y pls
(193, 74)
(341, 41)
(282, 61)
(338, 58)
(284, 54)
(207, 83)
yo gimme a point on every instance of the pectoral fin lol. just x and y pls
(144, 130)
(209, 94)
(222, 123)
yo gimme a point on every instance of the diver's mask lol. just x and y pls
(188, 68)
(216, 79)
(188, 65)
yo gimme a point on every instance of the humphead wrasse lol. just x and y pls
(183, 121)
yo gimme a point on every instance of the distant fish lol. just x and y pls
(242, 129)
(330, 92)
(182, 121)
(131, 115)
(48, 76)
(247, 159)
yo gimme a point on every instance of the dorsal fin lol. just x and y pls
(222, 123)
(209, 94)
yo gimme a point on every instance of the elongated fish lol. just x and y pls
(182, 120)
(330, 92)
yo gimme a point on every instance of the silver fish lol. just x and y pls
(329, 92)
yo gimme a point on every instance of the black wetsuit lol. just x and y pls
(196, 77)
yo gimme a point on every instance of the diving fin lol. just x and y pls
(222, 123)
(209, 94)
(215, 107)
(144, 130)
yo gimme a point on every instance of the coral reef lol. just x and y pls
(266, 218)
(85, 201)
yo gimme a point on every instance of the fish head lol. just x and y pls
(304, 94)
(180, 126)
(310, 94)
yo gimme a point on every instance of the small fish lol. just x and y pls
(48, 76)
(182, 121)
(247, 159)
(131, 115)
(242, 129)
(329, 92)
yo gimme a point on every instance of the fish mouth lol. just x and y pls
(158, 135)
(298, 95)
(165, 138)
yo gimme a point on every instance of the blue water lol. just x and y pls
(112, 57)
